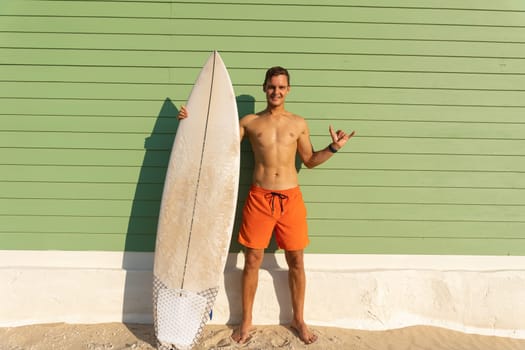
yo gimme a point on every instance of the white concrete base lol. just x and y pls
(473, 294)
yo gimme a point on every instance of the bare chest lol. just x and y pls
(266, 134)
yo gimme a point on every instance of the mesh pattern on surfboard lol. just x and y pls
(180, 315)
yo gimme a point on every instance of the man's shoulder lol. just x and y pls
(248, 117)
(297, 119)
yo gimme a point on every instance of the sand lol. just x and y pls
(116, 336)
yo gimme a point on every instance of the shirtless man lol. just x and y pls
(275, 204)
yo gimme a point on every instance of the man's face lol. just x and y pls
(276, 89)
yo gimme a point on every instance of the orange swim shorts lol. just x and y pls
(268, 211)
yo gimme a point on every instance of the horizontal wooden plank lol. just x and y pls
(137, 141)
(90, 174)
(304, 94)
(81, 174)
(507, 5)
(74, 225)
(416, 212)
(424, 129)
(260, 60)
(312, 193)
(379, 45)
(359, 144)
(429, 162)
(412, 195)
(409, 96)
(103, 108)
(368, 211)
(344, 31)
(416, 145)
(85, 157)
(109, 25)
(66, 241)
(87, 9)
(85, 90)
(333, 112)
(356, 46)
(419, 80)
(330, 112)
(263, 11)
(439, 246)
(343, 160)
(83, 190)
(160, 125)
(351, 14)
(292, 45)
(156, 175)
(129, 75)
(415, 229)
(129, 38)
(366, 128)
(411, 178)
(244, 77)
(77, 207)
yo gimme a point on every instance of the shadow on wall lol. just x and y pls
(142, 225)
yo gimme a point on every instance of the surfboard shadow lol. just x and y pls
(233, 274)
(142, 224)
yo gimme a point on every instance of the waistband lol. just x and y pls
(287, 192)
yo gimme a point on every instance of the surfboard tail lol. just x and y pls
(180, 315)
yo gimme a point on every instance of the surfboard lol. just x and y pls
(197, 210)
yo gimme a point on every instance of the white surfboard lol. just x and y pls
(197, 210)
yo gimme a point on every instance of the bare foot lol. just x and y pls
(242, 334)
(303, 332)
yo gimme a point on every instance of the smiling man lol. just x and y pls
(275, 204)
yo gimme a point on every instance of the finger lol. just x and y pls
(183, 113)
(350, 135)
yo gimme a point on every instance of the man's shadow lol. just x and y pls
(233, 275)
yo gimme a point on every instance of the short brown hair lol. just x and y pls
(274, 71)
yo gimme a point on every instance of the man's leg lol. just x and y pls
(297, 282)
(250, 278)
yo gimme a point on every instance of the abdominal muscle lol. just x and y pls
(275, 178)
(275, 172)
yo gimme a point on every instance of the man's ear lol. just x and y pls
(264, 87)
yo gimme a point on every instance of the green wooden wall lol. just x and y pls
(89, 91)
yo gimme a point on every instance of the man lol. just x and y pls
(274, 203)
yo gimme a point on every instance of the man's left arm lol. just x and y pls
(312, 158)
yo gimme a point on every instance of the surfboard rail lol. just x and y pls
(197, 209)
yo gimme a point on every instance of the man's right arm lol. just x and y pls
(243, 124)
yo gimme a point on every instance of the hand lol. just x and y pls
(339, 138)
(183, 113)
